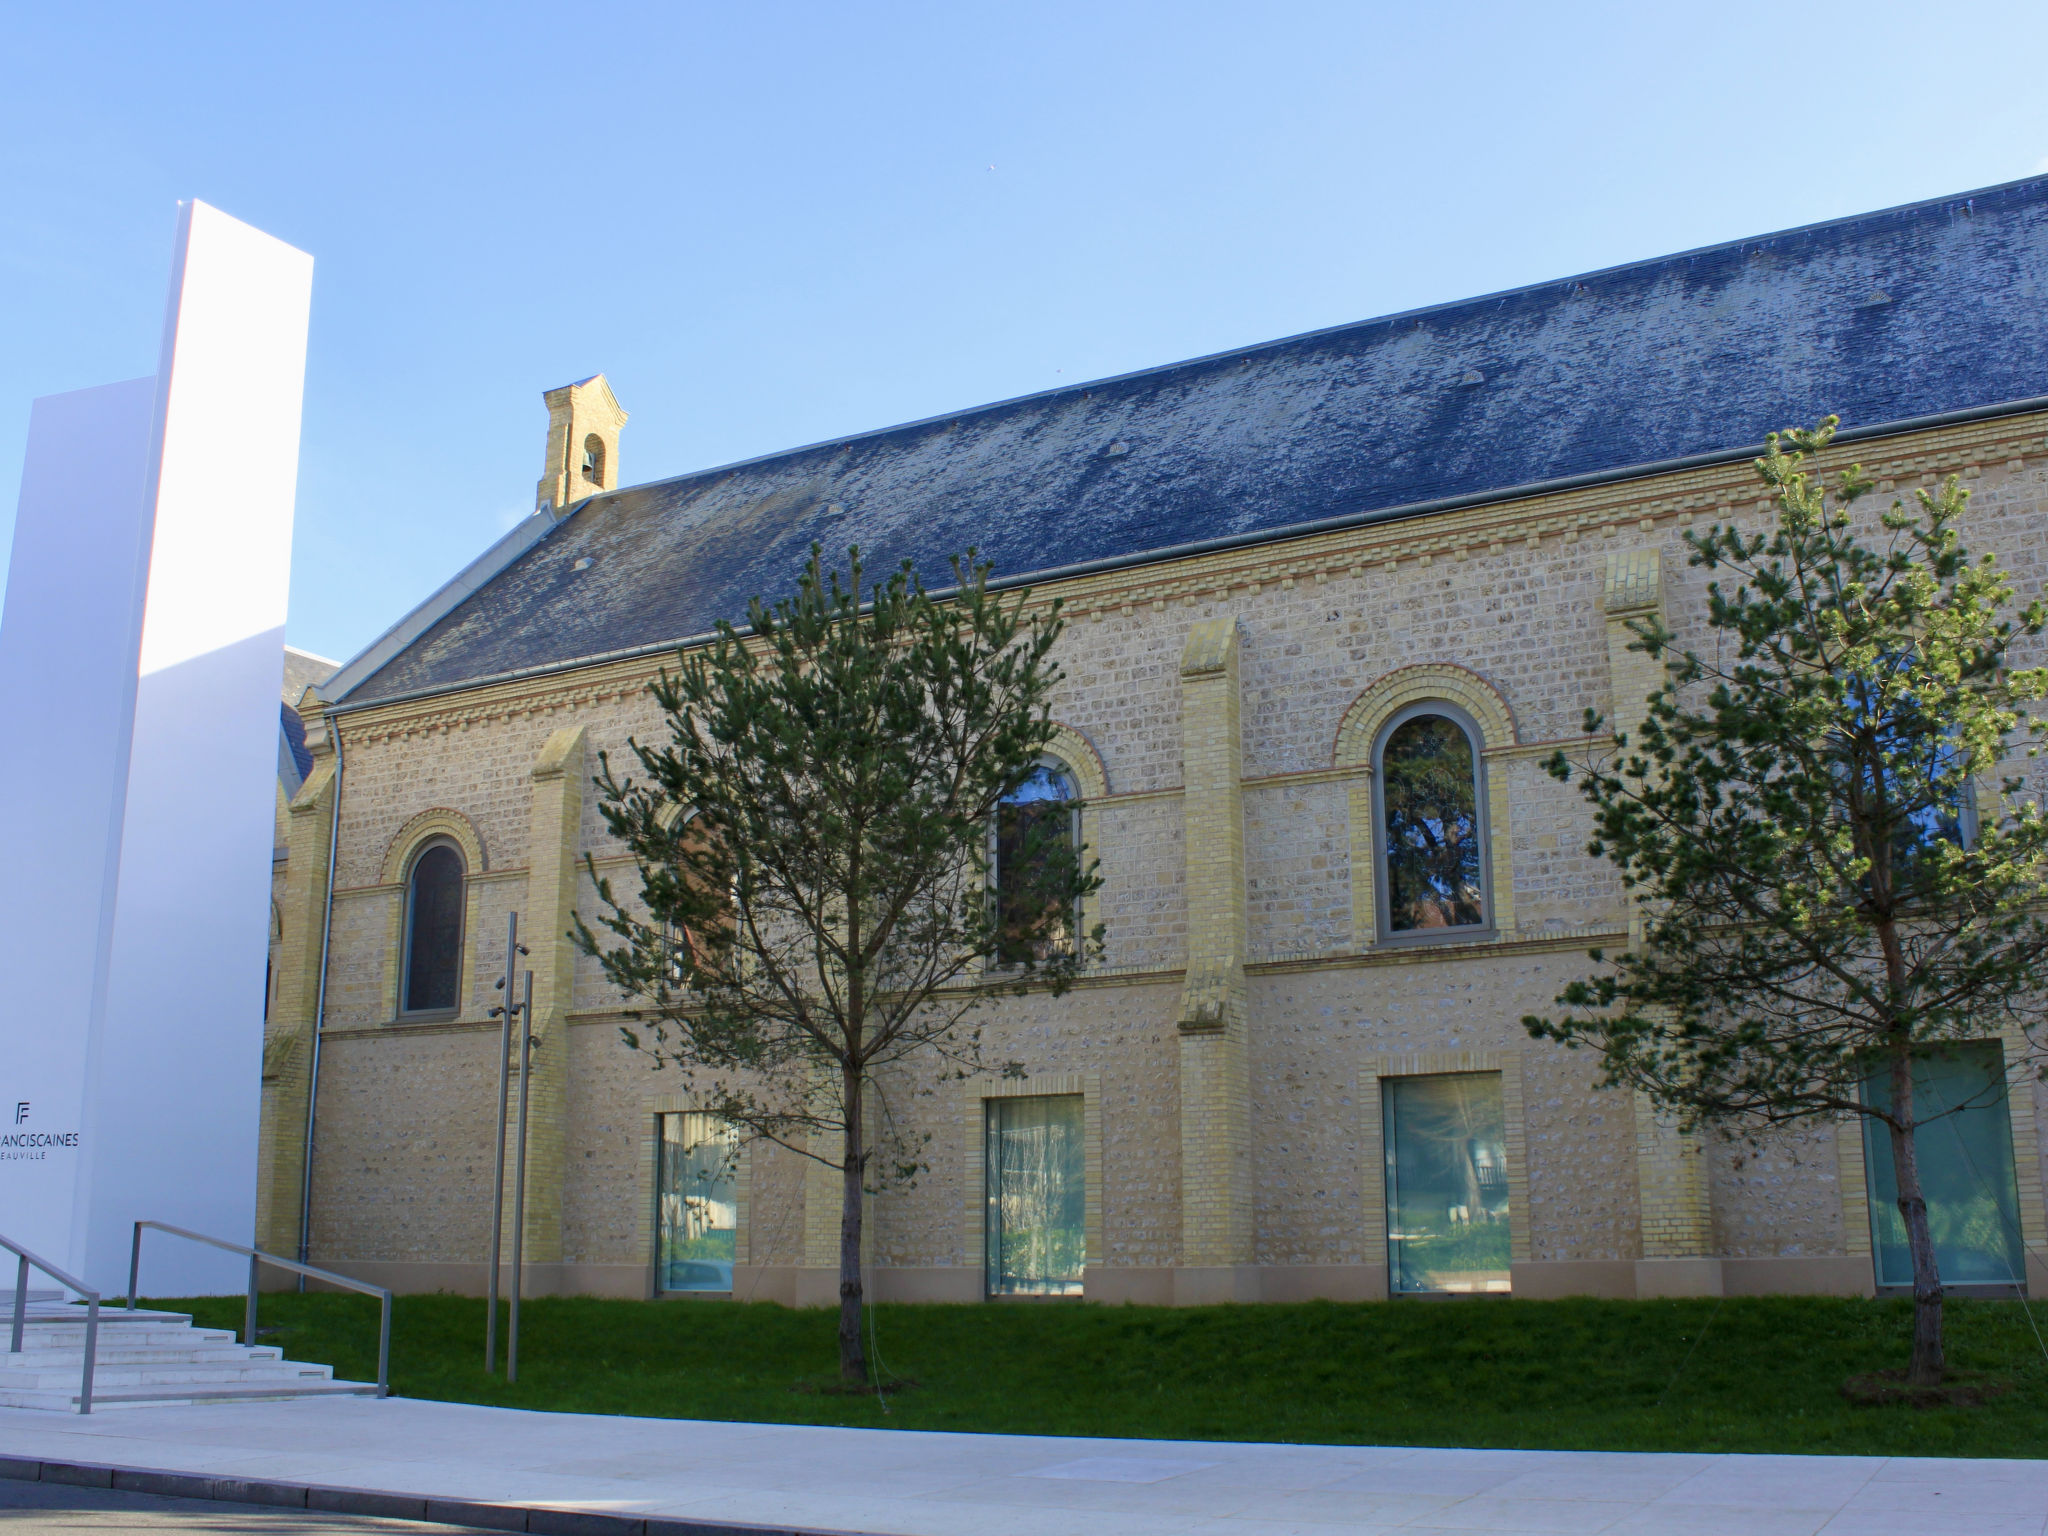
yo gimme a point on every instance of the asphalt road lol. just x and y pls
(30, 1509)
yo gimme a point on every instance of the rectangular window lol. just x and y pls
(1447, 1183)
(1966, 1170)
(1037, 1196)
(696, 1214)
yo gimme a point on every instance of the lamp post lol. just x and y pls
(526, 1044)
(504, 1012)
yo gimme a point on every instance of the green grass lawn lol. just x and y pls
(1574, 1375)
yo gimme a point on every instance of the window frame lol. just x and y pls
(406, 932)
(1384, 930)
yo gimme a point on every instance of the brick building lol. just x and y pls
(1293, 572)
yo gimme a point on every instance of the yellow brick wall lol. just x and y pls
(1250, 1152)
(295, 995)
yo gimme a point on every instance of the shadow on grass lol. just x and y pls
(1569, 1375)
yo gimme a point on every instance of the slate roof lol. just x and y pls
(302, 670)
(1933, 308)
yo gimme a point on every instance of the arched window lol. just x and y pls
(678, 943)
(1035, 840)
(1431, 812)
(593, 460)
(433, 931)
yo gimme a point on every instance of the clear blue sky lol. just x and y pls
(774, 223)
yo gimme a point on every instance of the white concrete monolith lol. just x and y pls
(140, 650)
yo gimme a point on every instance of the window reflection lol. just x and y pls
(697, 1214)
(433, 931)
(1034, 849)
(1037, 1196)
(1966, 1169)
(1429, 800)
(1447, 1183)
(1905, 765)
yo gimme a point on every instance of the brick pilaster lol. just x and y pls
(1215, 1114)
(1671, 1182)
(1676, 1204)
(556, 819)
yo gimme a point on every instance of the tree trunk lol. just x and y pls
(853, 1362)
(1929, 1361)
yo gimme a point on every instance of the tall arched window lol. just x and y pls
(1431, 810)
(593, 460)
(1035, 840)
(433, 931)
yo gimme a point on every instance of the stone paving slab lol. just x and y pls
(599, 1475)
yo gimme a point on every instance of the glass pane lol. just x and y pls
(696, 1220)
(1430, 798)
(1447, 1183)
(1914, 760)
(1037, 1196)
(1966, 1171)
(1034, 837)
(433, 966)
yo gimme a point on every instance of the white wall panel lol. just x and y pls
(171, 1057)
(68, 642)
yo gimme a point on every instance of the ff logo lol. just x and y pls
(21, 1111)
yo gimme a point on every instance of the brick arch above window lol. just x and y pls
(674, 813)
(426, 827)
(1415, 685)
(1078, 753)
(1475, 697)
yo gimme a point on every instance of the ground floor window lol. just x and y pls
(1037, 1175)
(1447, 1183)
(1966, 1170)
(696, 1213)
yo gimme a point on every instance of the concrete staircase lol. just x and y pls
(145, 1358)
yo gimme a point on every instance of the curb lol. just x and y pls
(478, 1515)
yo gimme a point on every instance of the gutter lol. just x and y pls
(1161, 556)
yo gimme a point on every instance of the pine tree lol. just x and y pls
(816, 921)
(1838, 872)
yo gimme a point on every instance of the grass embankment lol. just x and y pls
(1573, 1375)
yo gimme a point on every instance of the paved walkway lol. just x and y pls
(921, 1484)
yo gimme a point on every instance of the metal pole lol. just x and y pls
(20, 1304)
(498, 1166)
(519, 1181)
(384, 1350)
(249, 1317)
(134, 1264)
(92, 1340)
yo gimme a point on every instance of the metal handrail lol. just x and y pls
(92, 1312)
(257, 1258)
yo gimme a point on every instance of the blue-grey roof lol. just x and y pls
(294, 743)
(1891, 316)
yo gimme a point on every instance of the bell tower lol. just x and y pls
(583, 444)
